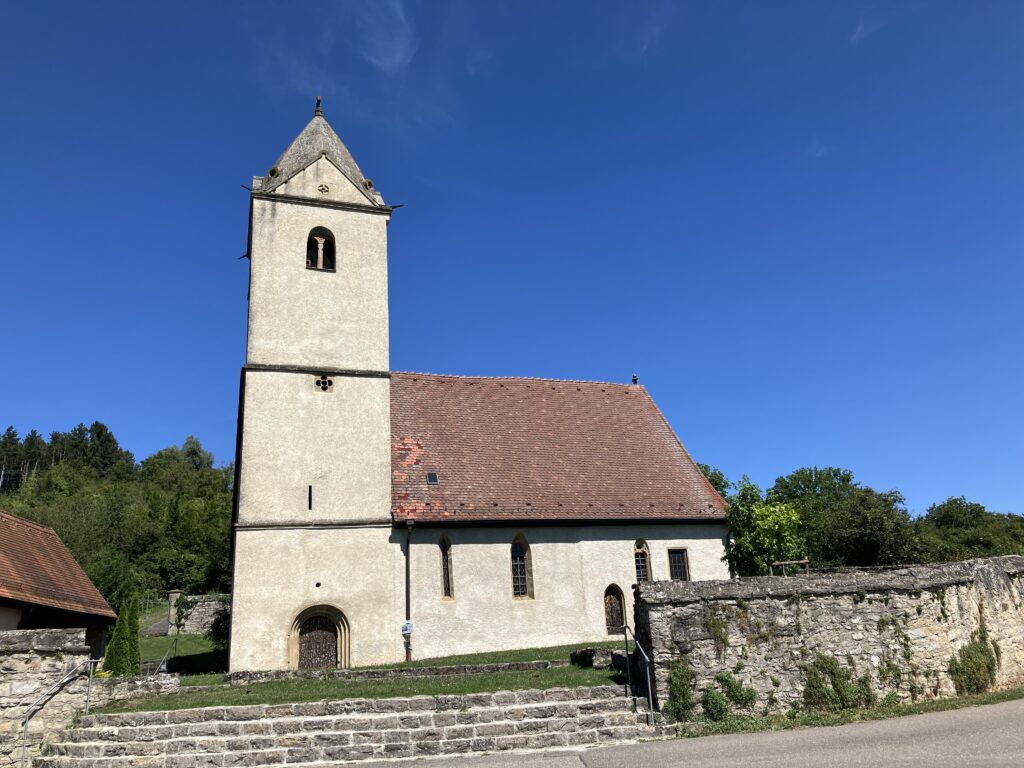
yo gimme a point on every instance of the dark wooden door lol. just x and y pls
(613, 612)
(318, 643)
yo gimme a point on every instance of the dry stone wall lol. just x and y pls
(31, 661)
(898, 626)
(199, 610)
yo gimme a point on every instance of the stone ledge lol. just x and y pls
(71, 641)
(247, 678)
(909, 578)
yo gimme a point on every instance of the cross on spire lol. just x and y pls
(319, 112)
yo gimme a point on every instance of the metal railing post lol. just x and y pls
(36, 705)
(629, 669)
(647, 669)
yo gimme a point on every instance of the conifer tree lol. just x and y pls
(134, 654)
(122, 657)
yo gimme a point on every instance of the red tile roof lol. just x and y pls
(36, 567)
(522, 450)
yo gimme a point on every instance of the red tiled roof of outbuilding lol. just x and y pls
(36, 568)
(518, 450)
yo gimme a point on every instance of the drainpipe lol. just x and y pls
(408, 590)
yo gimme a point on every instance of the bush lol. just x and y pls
(735, 691)
(122, 656)
(715, 705)
(680, 702)
(219, 632)
(973, 669)
(830, 686)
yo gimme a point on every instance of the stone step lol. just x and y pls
(325, 753)
(341, 732)
(348, 706)
(356, 721)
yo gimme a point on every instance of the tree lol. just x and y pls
(760, 532)
(845, 523)
(957, 529)
(717, 479)
(121, 658)
(740, 550)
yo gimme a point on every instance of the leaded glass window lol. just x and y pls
(521, 578)
(641, 560)
(677, 567)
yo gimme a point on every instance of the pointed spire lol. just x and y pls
(319, 112)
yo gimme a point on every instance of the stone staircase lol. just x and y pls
(330, 733)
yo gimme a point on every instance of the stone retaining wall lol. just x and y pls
(33, 660)
(898, 626)
(199, 618)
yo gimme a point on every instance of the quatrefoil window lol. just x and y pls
(323, 189)
(324, 383)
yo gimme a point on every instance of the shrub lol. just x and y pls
(122, 656)
(220, 628)
(735, 691)
(973, 669)
(680, 703)
(715, 705)
(830, 686)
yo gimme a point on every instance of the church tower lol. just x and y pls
(318, 580)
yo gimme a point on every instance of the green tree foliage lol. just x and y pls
(162, 524)
(846, 523)
(132, 620)
(958, 529)
(717, 479)
(761, 532)
(681, 679)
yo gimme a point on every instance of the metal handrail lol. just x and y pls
(647, 669)
(161, 667)
(36, 705)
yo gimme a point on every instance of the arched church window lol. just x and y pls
(522, 569)
(642, 560)
(614, 610)
(445, 547)
(320, 250)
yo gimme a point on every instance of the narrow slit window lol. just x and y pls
(310, 497)
(678, 567)
(446, 567)
(320, 250)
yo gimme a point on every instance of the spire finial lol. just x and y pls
(636, 379)
(319, 112)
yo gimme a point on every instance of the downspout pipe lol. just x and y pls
(408, 588)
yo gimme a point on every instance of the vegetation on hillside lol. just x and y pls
(164, 523)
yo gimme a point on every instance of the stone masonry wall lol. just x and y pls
(199, 619)
(900, 626)
(33, 660)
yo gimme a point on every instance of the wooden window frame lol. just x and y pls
(640, 549)
(686, 563)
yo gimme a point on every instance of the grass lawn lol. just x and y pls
(551, 653)
(312, 689)
(782, 722)
(154, 648)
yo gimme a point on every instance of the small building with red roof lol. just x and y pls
(382, 515)
(43, 587)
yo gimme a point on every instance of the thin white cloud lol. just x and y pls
(816, 150)
(385, 38)
(868, 25)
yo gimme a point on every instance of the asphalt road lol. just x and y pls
(991, 735)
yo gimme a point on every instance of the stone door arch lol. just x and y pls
(319, 639)
(614, 610)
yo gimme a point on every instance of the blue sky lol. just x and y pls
(800, 223)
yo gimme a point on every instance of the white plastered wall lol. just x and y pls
(572, 567)
(295, 436)
(307, 318)
(361, 573)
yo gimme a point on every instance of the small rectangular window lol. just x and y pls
(432, 478)
(311, 497)
(678, 568)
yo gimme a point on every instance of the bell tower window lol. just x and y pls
(320, 250)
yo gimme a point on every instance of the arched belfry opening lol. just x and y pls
(319, 639)
(614, 610)
(320, 250)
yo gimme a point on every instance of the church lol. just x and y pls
(383, 516)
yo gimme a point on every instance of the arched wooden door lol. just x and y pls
(614, 611)
(318, 643)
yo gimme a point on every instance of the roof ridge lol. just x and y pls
(23, 521)
(517, 378)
